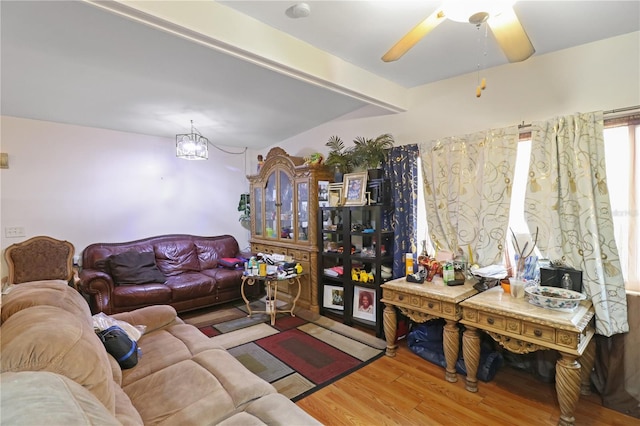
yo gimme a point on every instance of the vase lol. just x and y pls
(337, 175)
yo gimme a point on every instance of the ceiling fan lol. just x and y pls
(499, 16)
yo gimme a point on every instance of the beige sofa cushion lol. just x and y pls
(203, 390)
(51, 293)
(43, 398)
(47, 338)
(274, 409)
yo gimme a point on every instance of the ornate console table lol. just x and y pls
(271, 288)
(424, 302)
(521, 327)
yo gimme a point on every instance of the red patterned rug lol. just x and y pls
(298, 355)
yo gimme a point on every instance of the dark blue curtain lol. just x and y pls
(401, 168)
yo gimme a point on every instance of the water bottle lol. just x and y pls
(566, 282)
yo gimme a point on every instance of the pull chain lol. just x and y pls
(482, 84)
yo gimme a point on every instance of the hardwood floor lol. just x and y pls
(407, 390)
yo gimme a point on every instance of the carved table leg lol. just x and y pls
(471, 351)
(567, 387)
(451, 349)
(390, 326)
(586, 363)
(249, 281)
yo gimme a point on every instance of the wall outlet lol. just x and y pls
(14, 231)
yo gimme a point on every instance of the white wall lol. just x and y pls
(91, 185)
(88, 185)
(597, 76)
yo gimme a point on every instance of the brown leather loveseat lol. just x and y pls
(183, 271)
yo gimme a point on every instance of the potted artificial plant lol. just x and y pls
(340, 158)
(370, 153)
(244, 207)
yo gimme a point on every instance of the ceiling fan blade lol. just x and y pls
(511, 36)
(414, 36)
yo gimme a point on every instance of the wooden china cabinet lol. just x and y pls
(284, 214)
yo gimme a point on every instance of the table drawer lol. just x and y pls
(430, 304)
(538, 331)
(493, 321)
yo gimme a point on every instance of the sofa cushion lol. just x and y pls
(190, 285)
(187, 389)
(167, 346)
(269, 410)
(50, 293)
(132, 267)
(176, 257)
(133, 296)
(45, 398)
(211, 249)
(225, 278)
(48, 338)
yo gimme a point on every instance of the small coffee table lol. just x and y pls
(271, 288)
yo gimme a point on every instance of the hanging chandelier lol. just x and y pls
(192, 146)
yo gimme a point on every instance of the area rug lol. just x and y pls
(298, 355)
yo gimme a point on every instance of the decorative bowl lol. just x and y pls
(554, 297)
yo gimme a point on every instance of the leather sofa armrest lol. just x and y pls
(153, 317)
(99, 287)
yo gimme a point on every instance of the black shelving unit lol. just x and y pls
(353, 238)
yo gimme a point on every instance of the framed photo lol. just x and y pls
(323, 193)
(335, 194)
(355, 186)
(364, 303)
(333, 297)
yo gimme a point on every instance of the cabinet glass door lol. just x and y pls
(257, 206)
(303, 211)
(270, 207)
(286, 207)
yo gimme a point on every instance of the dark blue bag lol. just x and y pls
(120, 346)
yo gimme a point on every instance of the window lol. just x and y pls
(623, 175)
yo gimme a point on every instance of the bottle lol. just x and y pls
(566, 282)
(448, 273)
(409, 263)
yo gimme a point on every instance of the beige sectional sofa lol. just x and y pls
(55, 370)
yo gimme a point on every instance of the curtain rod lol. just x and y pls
(611, 111)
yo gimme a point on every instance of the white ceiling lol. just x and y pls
(244, 72)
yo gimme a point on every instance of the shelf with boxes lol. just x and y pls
(355, 258)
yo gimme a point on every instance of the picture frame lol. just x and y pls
(335, 195)
(364, 303)
(323, 193)
(333, 297)
(355, 186)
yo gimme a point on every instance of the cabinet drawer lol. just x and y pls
(493, 321)
(539, 332)
(432, 305)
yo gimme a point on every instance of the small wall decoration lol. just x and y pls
(364, 303)
(355, 185)
(333, 297)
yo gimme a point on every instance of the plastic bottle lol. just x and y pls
(448, 273)
(566, 282)
(409, 263)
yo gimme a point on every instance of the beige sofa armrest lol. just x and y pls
(153, 317)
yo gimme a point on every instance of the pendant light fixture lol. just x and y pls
(192, 146)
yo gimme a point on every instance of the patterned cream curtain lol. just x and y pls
(568, 201)
(467, 187)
